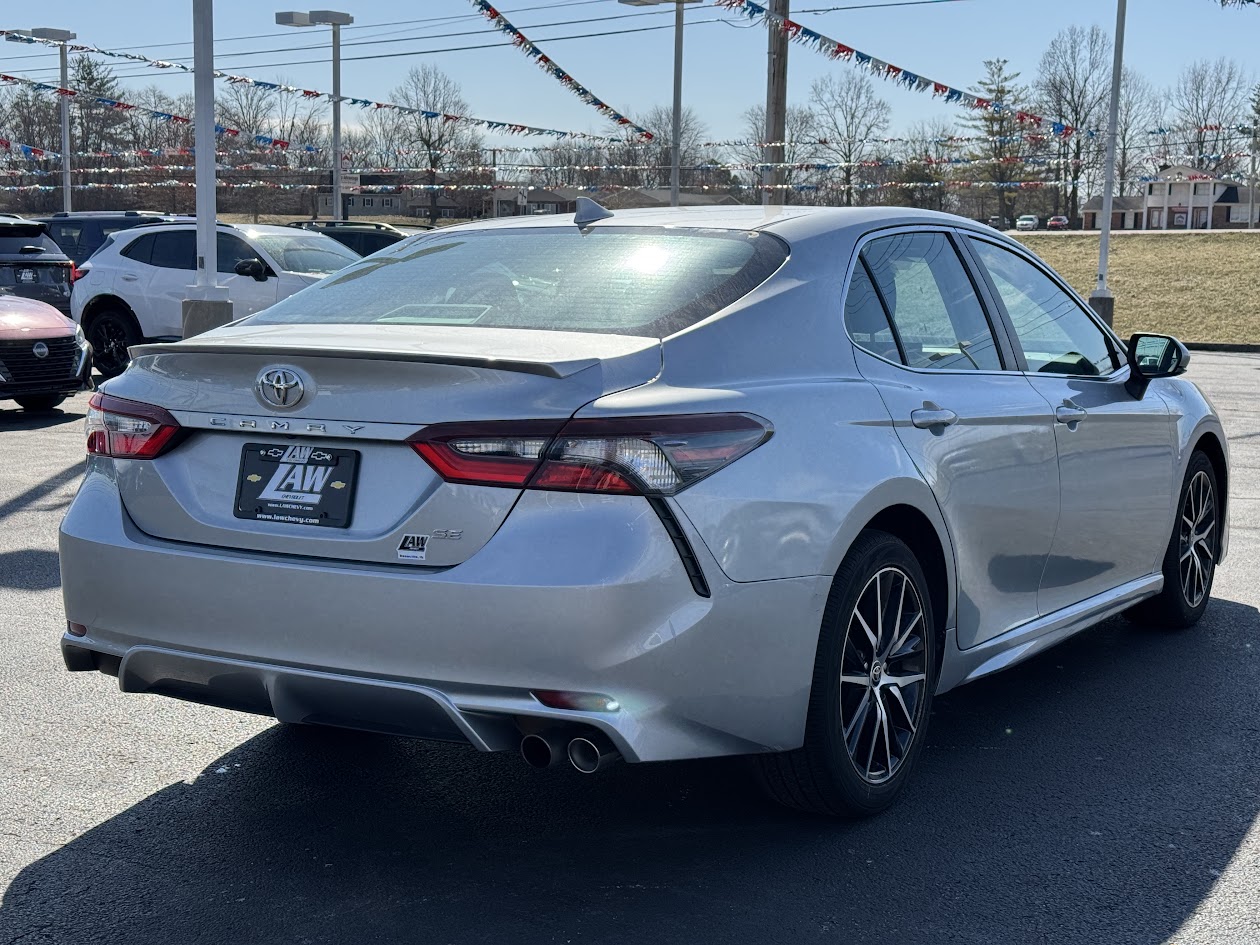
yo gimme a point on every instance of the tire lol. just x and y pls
(1188, 589)
(111, 332)
(857, 775)
(40, 403)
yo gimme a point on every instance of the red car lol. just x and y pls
(1057, 223)
(44, 357)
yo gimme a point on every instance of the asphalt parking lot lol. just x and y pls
(1107, 791)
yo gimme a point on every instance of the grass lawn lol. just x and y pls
(1197, 286)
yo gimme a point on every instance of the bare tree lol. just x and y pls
(848, 114)
(924, 171)
(1140, 109)
(1073, 85)
(1209, 101)
(430, 89)
(801, 129)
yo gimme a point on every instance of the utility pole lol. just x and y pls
(776, 105)
(1251, 182)
(1101, 300)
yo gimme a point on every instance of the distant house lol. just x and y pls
(396, 194)
(1180, 198)
(1127, 213)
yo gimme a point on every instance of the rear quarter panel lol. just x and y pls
(794, 505)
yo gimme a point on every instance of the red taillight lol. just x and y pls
(621, 455)
(127, 429)
(75, 273)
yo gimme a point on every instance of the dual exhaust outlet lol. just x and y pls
(588, 752)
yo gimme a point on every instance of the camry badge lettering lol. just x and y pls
(250, 424)
(284, 426)
(218, 421)
(316, 428)
(280, 387)
(279, 424)
(352, 429)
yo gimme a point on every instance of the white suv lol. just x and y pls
(133, 287)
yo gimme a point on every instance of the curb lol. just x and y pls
(1223, 346)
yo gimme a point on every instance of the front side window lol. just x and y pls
(231, 250)
(643, 281)
(1056, 334)
(311, 253)
(932, 304)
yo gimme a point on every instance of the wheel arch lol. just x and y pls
(1211, 446)
(103, 302)
(907, 509)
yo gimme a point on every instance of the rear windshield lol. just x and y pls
(614, 280)
(14, 238)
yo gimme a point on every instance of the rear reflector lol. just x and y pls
(619, 455)
(127, 429)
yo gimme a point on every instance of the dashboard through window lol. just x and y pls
(1056, 335)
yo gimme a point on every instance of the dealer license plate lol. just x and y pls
(299, 485)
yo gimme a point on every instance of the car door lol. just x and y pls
(981, 437)
(1116, 451)
(174, 264)
(247, 294)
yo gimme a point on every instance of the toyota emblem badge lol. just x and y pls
(280, 387)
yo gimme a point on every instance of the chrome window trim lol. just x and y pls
(1006, 351)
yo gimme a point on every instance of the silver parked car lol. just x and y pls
(662, 484)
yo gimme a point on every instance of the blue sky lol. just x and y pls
(725, 63)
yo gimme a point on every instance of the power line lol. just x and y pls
(875, 6)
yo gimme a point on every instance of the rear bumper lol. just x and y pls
(575, 593)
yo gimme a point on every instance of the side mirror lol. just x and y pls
(251, 267)
(1152, 356)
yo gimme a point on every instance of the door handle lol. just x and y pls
(927, 417)
(1070, 413)
(129, 277)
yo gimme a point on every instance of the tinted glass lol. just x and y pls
(231, 250)
(932, 303)
(1057, 336)
(627, 281)
(139, 249)
(12, 245)
(306, 252)
(865, 318)
(175, 250)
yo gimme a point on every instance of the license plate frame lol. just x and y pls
(297, 484)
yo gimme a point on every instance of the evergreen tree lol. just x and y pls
(1004, 136)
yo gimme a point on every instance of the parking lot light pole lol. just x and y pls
(1101, 300)
(336, 20)
(675, 146)
(63, 37)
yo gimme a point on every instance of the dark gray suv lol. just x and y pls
(32, 265)
(81, 233)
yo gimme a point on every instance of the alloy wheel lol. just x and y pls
(109, 345)
(1198, 538)
(883, 675)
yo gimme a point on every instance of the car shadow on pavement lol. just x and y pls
(1094, 794)
(42, 490)
(17, 419)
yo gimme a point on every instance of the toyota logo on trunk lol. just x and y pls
(280, 387)
(40, 350)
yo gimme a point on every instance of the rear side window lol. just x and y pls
(175, 250)
(139, 249)
(932, 303)
(649, 282)
(865, 318)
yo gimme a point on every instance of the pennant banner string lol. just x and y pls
(501, 23)
(837, 50)
(502, 127)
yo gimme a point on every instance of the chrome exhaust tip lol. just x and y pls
(590, 754)
(542, 750)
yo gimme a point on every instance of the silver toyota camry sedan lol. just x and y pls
(652, 485)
